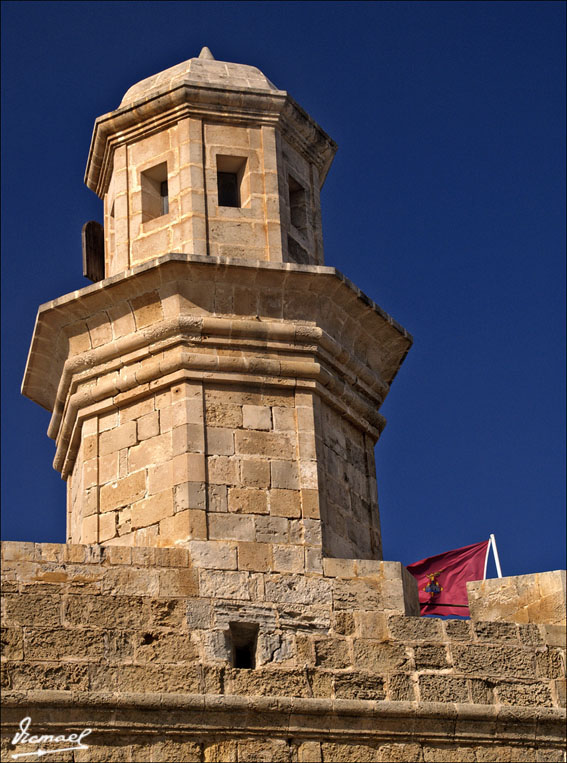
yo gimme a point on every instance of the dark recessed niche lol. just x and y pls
(244, 638)
(155, 198)
(230, 173)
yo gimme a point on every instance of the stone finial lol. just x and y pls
(206, 54)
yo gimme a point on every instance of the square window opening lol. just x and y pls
(230, 173)
(244, 638)
(297, 204)
(155, 194)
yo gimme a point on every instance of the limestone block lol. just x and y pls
(108, 468)
(107, 526)
(313, 560)
(438, 688)
(224, 585)
(123, 492)
(136, 410)
(217, 496)
(198, 524)
(288, 558)
(430, 657)
(220, 441)
(359, 686)
(516, 693)
(310, 504)
(332, 653)
(178, 582)
(256, 417)
(42, 610)
(198, 614)
(285, 503)
(160, 478)
(223, 470)
(247, 500)
(284, 419)
(221, 752)
(271, 529)
(148, 426)
(219, 415)
(226, 612)
(380, 657)
(175, 528)
(63, 643)
(188, 467)
(537, 598)
(415, 628)
(491, 660)
(295, 589)
(189, 495)
(154, 451)
(152, 509)
(256, 557)
(89, 530)
(285, 475)
(115, 439)
(255, 473)
(275, 445)
(231, 527)
(213, 555)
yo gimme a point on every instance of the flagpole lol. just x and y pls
(496, 558)
(488, 545)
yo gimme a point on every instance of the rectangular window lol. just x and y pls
(155, 198)
(93, 251)
(164, 194)
(244, 638)
(230, 172)
(297, 205)
(228, 190)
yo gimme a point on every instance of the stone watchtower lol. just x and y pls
(214, 394)
(218, 383)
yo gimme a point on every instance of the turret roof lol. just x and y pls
(203, 70)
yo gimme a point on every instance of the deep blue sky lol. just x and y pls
(445, 204)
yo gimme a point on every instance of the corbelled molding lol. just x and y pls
(323, 719)
(235, 106)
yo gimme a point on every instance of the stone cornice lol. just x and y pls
(320, 718)
(227, 104)
(47, 352)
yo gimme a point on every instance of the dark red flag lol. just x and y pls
(442, 579)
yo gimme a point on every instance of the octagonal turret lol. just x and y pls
(209, 158)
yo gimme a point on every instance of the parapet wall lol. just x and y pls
(536, 598)
(138, 644)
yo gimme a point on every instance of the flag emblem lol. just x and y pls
(433, 587)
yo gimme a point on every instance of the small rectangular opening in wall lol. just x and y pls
(297, 204)
(230, 172)
(155, 198)
(164, 195)
(244, 638)
(93, 251)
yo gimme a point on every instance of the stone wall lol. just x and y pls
(536, 598)
(348, 491)
(169, 410)
(138, 643)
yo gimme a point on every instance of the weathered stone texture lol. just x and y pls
(537, 598)
(221, 596)
(113, 622)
